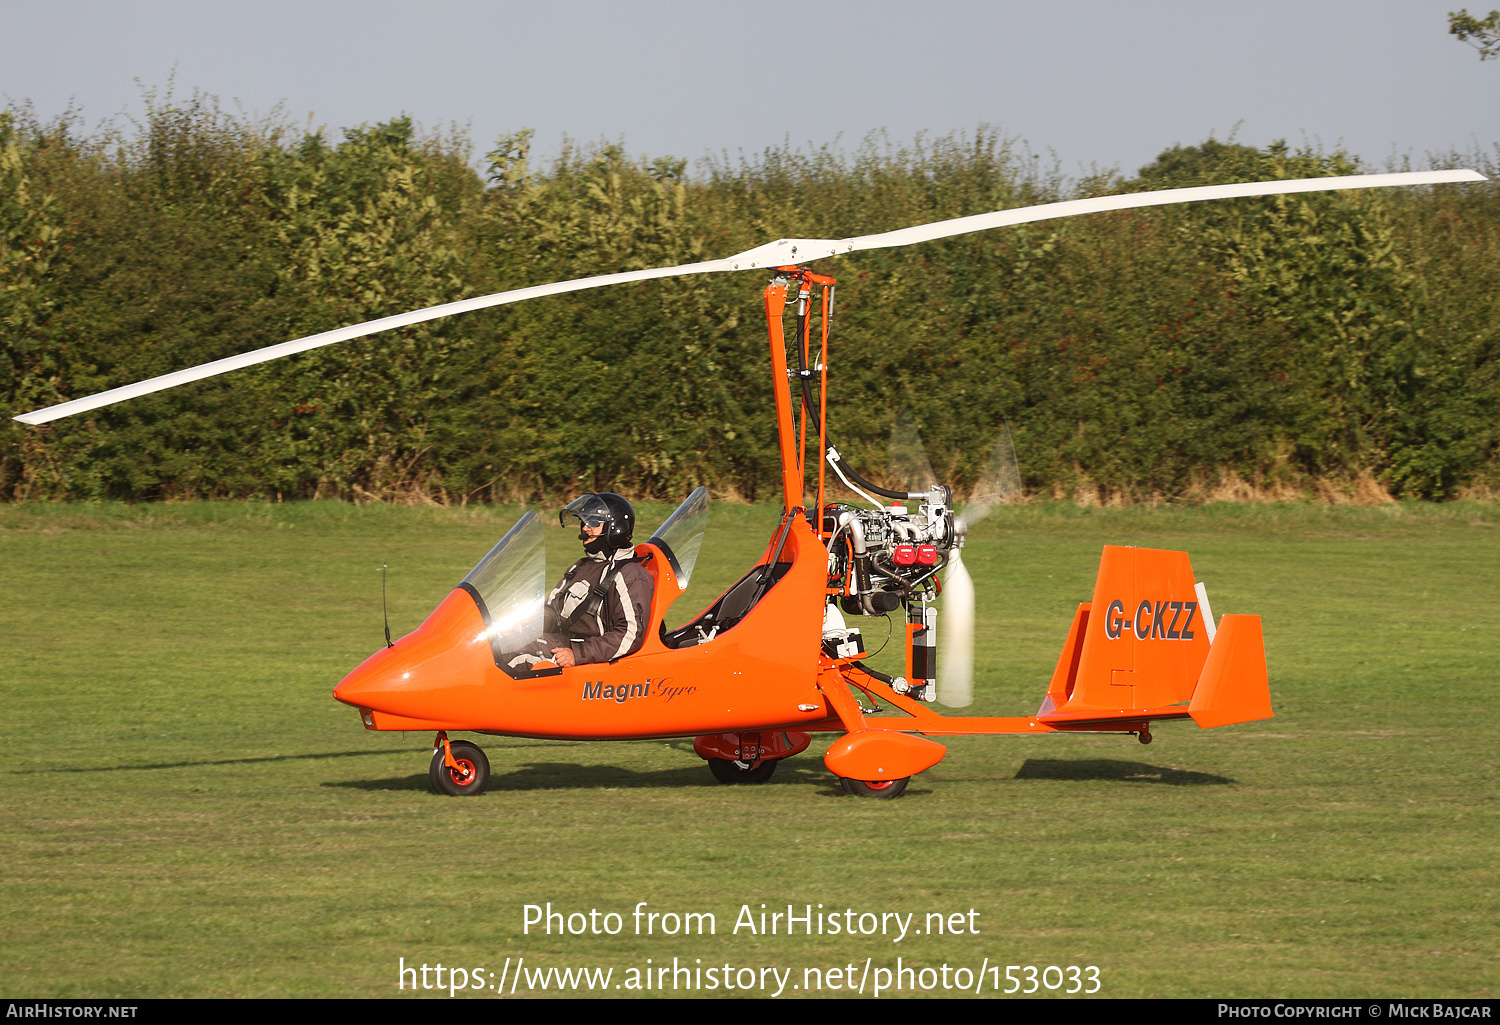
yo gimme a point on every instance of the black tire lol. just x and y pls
(726, 771)
(885, 789)
(474, 772)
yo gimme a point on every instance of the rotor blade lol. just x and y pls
(1134, 200)
(955, 684)
(773, 254)
(344, 334)
(1001, 483)
(906, 459)
(801, 250)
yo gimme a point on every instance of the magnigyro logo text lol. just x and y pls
(1164, 620)
(597, 690)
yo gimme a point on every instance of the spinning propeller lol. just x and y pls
(1000, 485)
(906, 457)
(774, 254)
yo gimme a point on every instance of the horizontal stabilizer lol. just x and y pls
(1234, 686)
(1123, 715)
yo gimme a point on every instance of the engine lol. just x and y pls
(884, 558)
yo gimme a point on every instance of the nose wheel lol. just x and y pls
(459, 768)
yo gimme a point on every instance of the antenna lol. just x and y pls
(384, 608)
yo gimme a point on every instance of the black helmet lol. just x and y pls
(606, 508)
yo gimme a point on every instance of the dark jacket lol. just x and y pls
(620, 627)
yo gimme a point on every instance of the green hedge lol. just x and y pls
(1303, 344)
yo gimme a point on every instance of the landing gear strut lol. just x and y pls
(459, 768)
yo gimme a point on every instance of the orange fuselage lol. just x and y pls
(761, 674)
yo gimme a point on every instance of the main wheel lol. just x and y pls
(882, 788)
(726, 771)
(468, 779)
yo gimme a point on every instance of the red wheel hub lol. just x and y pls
(464, 774)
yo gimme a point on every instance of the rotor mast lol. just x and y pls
(792, 435)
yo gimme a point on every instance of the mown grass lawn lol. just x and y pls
(186, 812)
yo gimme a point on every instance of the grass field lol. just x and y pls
(187, 812)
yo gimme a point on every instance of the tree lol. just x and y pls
(1481, 33)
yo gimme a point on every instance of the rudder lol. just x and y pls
(1234, 686)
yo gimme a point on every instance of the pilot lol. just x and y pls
(601, 608)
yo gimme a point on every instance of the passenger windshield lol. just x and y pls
(510, 585)
(681, 535)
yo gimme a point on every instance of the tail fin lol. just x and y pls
(1144, 643)
(1140, 643)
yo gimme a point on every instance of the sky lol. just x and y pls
(1092, 85)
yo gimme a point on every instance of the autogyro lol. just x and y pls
(780, 654)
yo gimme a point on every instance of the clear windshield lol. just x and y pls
(511, 584)
(682, 534)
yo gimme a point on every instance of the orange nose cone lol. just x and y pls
(372, 678)
(430, 672)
